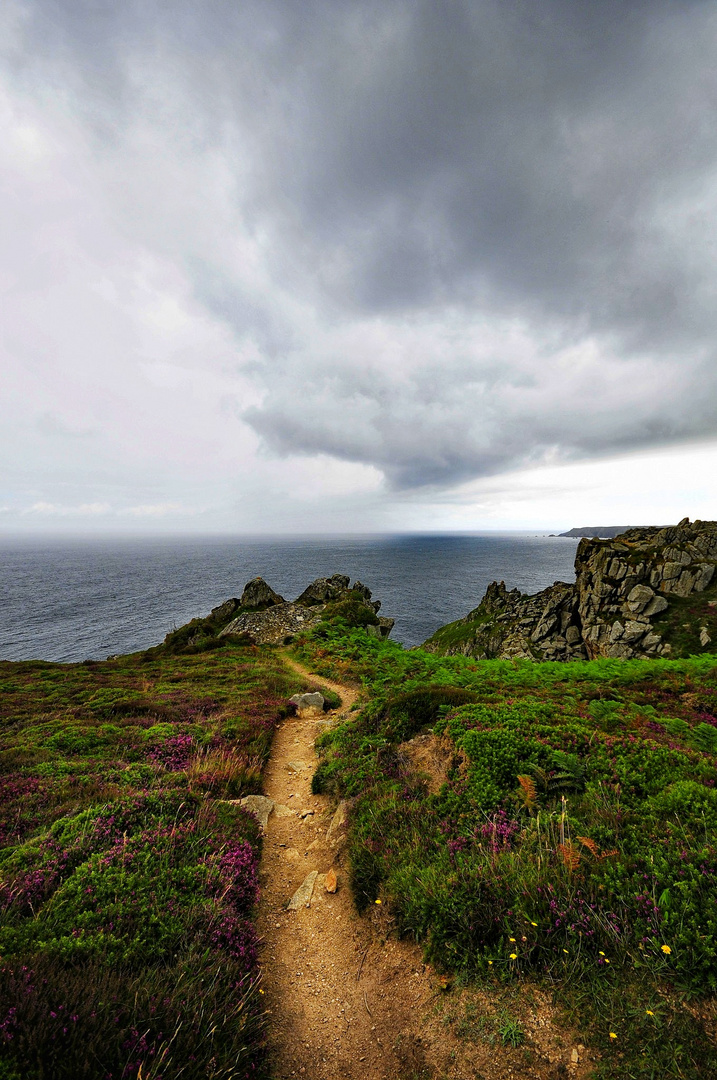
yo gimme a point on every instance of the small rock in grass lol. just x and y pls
(260, 806)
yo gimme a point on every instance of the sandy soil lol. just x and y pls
(346, 1000)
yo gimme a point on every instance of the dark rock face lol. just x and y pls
(257, 594)
(225, 611)
(630, 597)
(323, 590)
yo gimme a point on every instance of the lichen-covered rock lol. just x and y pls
(274, 626)
(647, 592)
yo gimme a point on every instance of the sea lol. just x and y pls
(70, 600)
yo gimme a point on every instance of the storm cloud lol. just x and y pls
(441, 240)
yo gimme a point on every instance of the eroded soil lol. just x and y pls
(346, 999)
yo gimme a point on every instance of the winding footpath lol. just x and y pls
(340, 996)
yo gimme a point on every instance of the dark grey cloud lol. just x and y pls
(487, 227)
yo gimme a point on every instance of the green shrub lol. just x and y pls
(350, 611)
(406, 714)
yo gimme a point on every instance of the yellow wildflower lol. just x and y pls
(511, 939)
(565, 950)
(377, 901)
(649, 1012)
(606, 960)
(514, 956)
(533, 924)
(613, 1035)
(602, 953)
(666, 949)
(490, 961)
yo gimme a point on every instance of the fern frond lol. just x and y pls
(569, 855)
(540, 775)
(527, 791)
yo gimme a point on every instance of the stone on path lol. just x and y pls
(308, 701)
(260, 806)
(302, 896)
(297, 766)
(331, 884)
(283, 811)
(339, 820)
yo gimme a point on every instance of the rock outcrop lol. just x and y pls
(325, 597)
(263, 617)
(647, 592)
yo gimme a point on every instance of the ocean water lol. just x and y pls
(70, 600)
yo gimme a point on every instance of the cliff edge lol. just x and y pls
(647, 592)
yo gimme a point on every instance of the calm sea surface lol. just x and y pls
(76, 600)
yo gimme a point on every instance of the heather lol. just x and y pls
(558, 825)
(128, 872)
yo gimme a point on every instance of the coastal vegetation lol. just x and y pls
(530, 824)
(128, 870)
(542, 822)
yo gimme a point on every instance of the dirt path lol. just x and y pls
(329, 983)
(346, 1000)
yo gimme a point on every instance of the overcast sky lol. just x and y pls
(307, 265)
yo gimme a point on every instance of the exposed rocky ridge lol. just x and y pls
(647, 592)
(263, 617)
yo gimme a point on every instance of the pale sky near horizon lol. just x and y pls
(357, 265)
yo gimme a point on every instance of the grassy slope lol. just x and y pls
(573, 840)
(126, 884)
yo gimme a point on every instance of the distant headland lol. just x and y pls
(597, 532)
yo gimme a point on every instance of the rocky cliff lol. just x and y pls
(647, 592)
(263, 617)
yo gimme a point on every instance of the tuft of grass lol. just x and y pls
(510, 1031)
